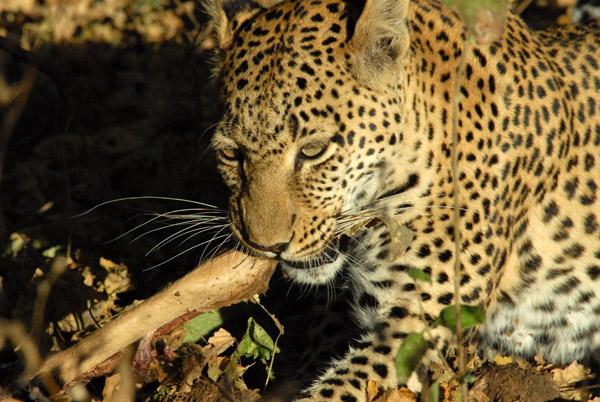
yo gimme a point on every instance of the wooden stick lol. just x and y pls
(227, 279)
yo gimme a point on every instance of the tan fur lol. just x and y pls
(380, 42)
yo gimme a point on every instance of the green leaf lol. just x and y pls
(434, 390)
(409, 355)
(470, 378)
(51, 252)
(17, 243)
(257, 344)
(202, 325)
(469, 317)
(419, 275)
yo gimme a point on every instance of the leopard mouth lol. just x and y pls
(329, 255)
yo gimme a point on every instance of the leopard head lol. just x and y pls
(313, 121)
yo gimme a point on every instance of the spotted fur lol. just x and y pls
(341, 111)
(585, 11)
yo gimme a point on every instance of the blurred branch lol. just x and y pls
(16, 333)
(43, 65)
(18, 95)
(20, 54)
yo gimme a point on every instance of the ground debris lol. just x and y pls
(511, 383)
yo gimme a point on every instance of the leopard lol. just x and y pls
(344, 121)
(585, 11)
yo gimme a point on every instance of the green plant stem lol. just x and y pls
(456, 218)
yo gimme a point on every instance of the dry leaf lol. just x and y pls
(191, 370)
(117, 280)
(248, 395)
(110, 386)
(539, 360)
(501, 360)
(401, 237)
(565, 378)
(573, 373)
(108, 264)
(88, 276)
(216, 367)
(217, 344)
(565, 3)
(397, 395)
(372, 390)
(474, 361)
(158, 371)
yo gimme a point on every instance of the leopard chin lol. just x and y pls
(314, 272)
(319, 269)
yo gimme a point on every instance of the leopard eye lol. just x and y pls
(230, 154)
(313, 151)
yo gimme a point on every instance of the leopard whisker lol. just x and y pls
(207, 129)
(372, 205)
(237, 246)
(197, 231)
(148, 197)
(190, 230)
(188, 250)
(210, 221)
(216, 236)
(184, 220)
(346, 221)
(202, 218)
(348, 256)
(350, 223)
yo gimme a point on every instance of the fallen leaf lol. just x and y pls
(565, 378)
(108, 264)
(397, 395)
(110, 386)
(372, 390)
(158, 371)
(539, 360)
(401, 237)
(501, 360)
(217, 344)
(88, 276)
(216, 367)
(565, 3)
(191, 370)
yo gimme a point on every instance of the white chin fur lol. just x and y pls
(319, 275)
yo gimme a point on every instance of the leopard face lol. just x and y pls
(304, 140)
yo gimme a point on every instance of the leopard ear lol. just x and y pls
(379, 39)
(227, 16)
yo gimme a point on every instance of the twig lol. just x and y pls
(281, 332)
(44, 65)
(12, 116)
(16, 333)
(59, 265)
(522, 6)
